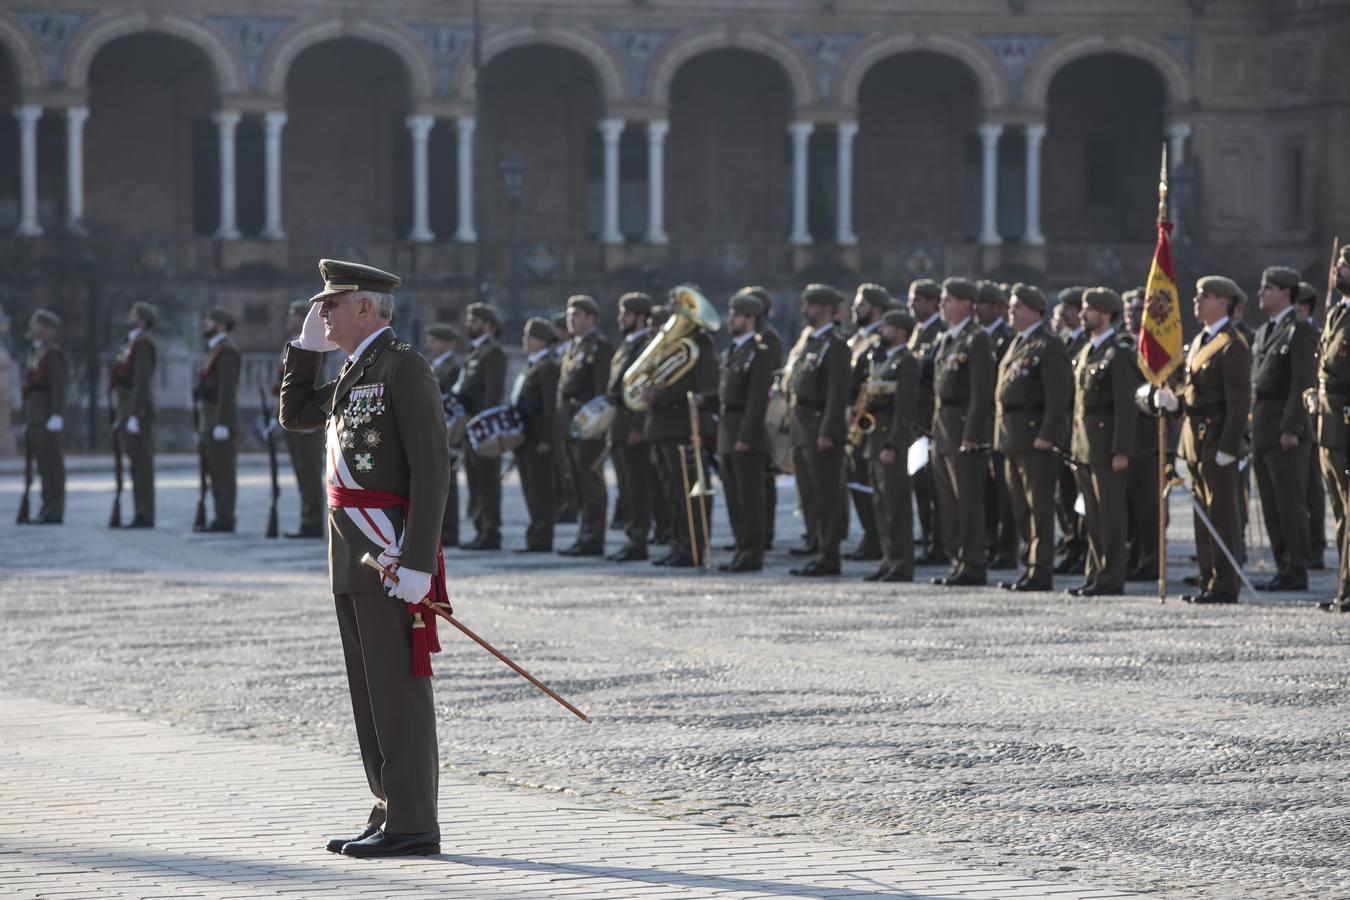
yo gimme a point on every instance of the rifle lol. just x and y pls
(115, 519)
(22, 518)
(269, 433)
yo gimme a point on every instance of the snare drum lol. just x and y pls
(456, 417)
(495, 431)
(592, 421)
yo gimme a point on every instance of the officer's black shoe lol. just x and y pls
(801, 551)
(814, 569)
(1329, 605)
(964, 580)
(864, 554)
(1012, 585)
(1078, 591)
(878, 575)
(483, 543)
(1024, 586)
(382, 843)
(628, 554)
(141, 522)
(1283, 583)
(1208, 598)
(582, 550)
(336, 844)
(741, 565)
(896, 576)
(219, 527)
(682, 561)
(1095, 591)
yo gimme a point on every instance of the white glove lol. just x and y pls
(412, 585)
(133, 425)
(312, 333)
(220, 433)
(55, 423)
(1223, 459)
(389, 559)
(1163, 398)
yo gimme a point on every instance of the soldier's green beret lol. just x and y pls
(759, 293)
(991, 292)
(1220, 286)
(1072, 296)
(822, 295)
(47, 318)
(220, 315)
(583, 302)
(961, 289)
(558, 321)
(747, 305)
(1282, 277)
(444, 331)
(485, 313)
(1030, 295)
(898, 318)
(637, 302)
(1102, 299)
(876, 295)
(1307, 295)
(538, 328)
(926, 287)
(149, 315)
(343, 277)
(1133, 298)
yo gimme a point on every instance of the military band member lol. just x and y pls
(773, 348)
(535, 397)
(818, 382)
(991, 311)
(585, 375)
(1104, 422)
(632, 454)
(305, 449)
(45, 381)
(869, 303)
(1215, 398)
(963, 382)
(217, 398)
(567, 489)
(742, 439)
(1317, 495)
(443, 343)
(892, 388)
(1144, 490)
(1333, 421)
(482, 386)
(133, 393)
(1031, 421)
(924, 298)
(660, 491)
(1069, 325)
(1284, 365)
(388, 466)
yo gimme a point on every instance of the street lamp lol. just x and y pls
(513, 181)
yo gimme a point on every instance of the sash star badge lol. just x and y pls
(370, 438)
(364, 462)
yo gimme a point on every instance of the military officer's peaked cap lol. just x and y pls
(539, 329)
(343, 277)
(1282, 277)
(1102, 299)
(961, 289)
(1220, 286)
(444, 331)
(1072, 296)
(747, 305)
(637, 302)
(486, 313)
(47, 318)
(1306, 294)
(221, 315)
(876, 295)
(926, 287)
(584, 302)
(1030, 295)
(822, 295)
(145, 312)
(898, 318)
(991, 292)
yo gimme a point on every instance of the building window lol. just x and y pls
(1291, 183)
(1102, 170)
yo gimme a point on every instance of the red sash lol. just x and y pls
(425, 641)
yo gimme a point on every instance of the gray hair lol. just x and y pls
(384, 303)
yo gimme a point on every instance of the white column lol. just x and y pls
(1177, 134)
(989, 235)
(420, 127)
(75, 117)
(28, 220)
(611, 130)
(226, 122)
(273, 122)
(844, 235)
(801, 136)
(656, 181)
(1032, 233)
(466, 231)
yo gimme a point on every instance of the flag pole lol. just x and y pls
(1162, 419)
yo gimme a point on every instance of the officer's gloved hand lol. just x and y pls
(133, 425)
(388, 558)
(412, 585)
(55, 423)
(1164, 398)
(1224, 459)
(312, 333)
(220, 433)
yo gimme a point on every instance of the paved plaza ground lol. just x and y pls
(175, 720)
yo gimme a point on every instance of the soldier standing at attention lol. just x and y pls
(991, 310)
(1144, 491)
(870, 301)
(482, 385)
(773, 348)
(388, 465)
(1068, 323)
(1215, 397)
(1031, 420)
(535, 397)
(443, 340)
(1333, 421)
(584, 375)
(133, 389)
(817, 381)
(44, 401)
(963, 420)
(742, 439)
(632, 453)
(1104, 423)
(924, 297)
(217, 397)
(562, 466)
(306, 450)
(892, 386)
(1306, 305)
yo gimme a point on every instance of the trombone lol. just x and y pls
(699, 491)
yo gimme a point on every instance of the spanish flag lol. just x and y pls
(1160, 336)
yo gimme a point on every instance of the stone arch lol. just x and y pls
(23, 50)
(981, 62)
(796, 69)
(96, 34)
(608, 70)
(1046, 64)
(301, 36)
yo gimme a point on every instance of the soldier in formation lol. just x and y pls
(132, 385)
(216, 396)
(45, 381)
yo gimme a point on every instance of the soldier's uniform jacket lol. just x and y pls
(44, 384)
(1032, 397)
(817, 385)
(892, 388)
(744, 395)
(860, 347)
(1333, 379)
(385, 432)
(132, 379)
(626, 420)
(217, 389)
(538, 398)
(773, 344)
(1074, 343)
(923, 345)
(447, 372)
(1000, 338)
(963, 387)
(483, 381)
(585, 370)
(1284, 365)
(1104, 414)
(1216, 396)
(668, 418)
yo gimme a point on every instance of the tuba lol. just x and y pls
(673, 351)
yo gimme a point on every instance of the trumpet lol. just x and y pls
(673, 351)
(864, 423)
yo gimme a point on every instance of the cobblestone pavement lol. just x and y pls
(1195, 751)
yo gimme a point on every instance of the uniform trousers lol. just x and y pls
(1106, 522)
(1216, 488)
(1144, 492)
(1317, 508)
(859, 472)
(892, 507)
(483, 474)
(592, 497)
(1282, 480)
(633, 465)
(959, 480)
(50, 459)
(222, 466)
(743, 479)
(925, 501)
(1030, 476)
(998, 512)
(821, 485)
(678, 469)
(539, 486)
(1338, 496)
(306, 450)
(140, 453)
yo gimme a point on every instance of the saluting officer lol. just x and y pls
(535, 397)
(305, 448)
(443, 342)
(1104, 422)
(963, 420)
(482, 386)
(817, 381)
(632, 454)
(924, 297)
(1284, 365)
(869, 303)
(991, 311)
(1333, 422)
(217, 398)
(584, 375)
(1215, 398)
(1068, 323)
(133, 389)
(742, 440)
(1031, 421)
(892, 387)
(44, 401)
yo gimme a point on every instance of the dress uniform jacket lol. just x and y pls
(773, 344)
(132, 381)
(923, 344)
(483, 386)
(1333, 423)
(217, 403)
(447, 372)
(538, 403)
(632, 465)
(963, 385)
(45, 383)
(585, 375)
(743, 393)
(892, 387)
(860, 348)
(817, 383)
(1001, 524)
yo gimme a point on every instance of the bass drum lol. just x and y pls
(776, 423)
(496, 431)
(592, 421)
(456, 418)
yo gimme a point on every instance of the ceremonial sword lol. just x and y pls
(1177, 481)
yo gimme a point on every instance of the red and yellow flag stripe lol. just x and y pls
(1160, 336)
